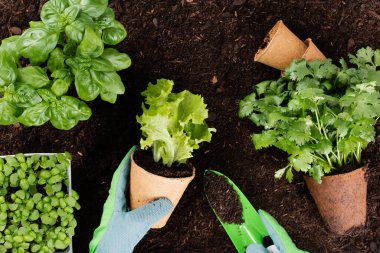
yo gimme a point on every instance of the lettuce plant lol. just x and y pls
(36, 212)
(321, 114)
(66, 47)
(172, 124)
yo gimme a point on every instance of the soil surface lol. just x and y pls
(206, 47)
(223, 198)
(144, 158)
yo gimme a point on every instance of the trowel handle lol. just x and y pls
(269, 245)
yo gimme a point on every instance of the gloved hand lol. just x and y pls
(277, 233)
(120, 229)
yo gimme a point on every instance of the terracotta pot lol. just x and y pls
(146, 187)
(282, 47)
(341, 199)
(312, 52)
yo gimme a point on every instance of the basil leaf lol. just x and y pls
(60, 116)
(117, 60)
(36, 115)
(115, 34)
(73, 64)
(62, 82)
(62, 73)
(106, 19)
(75, 30)
(36, 44)
(8, 69)
(60, 86)
(23, 96)
(109, 81)
(108, 96)
(100, 64)
(56, 60)
(36, 24)
(52, 14)
(71, 13)
(34, 76)
(10, 46)
(91, 45)
(86, 88)
(8, 113)
(77, 108)
(70, 48)
(47, 95)
(94, 8)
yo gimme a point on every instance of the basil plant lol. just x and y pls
(66, 47)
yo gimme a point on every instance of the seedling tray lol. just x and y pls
(70, 248)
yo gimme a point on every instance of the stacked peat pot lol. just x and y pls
(341, 199)
(172, 125)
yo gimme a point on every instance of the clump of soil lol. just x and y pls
(223, 198)
(144, 158)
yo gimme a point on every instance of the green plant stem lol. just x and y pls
(328, 159)
(357, 154)
(320, 124)
(156, 153)
(318, 157)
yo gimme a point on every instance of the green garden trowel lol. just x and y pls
(257, 228)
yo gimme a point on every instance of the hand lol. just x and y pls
(120, 229)
(256, 248)
(279, 236)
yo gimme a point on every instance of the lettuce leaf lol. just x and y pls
(172, 124)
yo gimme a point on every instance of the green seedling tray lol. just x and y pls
(70, 248)
(252, 230)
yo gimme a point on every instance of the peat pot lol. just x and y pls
(341, 199)
(146, 187)
(281, 46)
(312, 52)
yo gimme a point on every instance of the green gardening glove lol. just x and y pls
(121, 229)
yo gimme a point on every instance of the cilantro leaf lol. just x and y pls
(297, 70)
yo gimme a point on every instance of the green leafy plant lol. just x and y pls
(172, 124)
(66, 47)
(322, 115)
(36, 212)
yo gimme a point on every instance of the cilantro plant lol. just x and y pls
(67, 47)
(321, 114)
(36, 212)
(172, 124)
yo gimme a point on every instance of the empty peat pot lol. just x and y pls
(281, 46)
(312, 52)
(146, 187)
(341, 199)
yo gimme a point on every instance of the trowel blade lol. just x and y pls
(252, 230)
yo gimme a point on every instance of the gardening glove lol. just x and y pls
(278, 235)
(120, 229)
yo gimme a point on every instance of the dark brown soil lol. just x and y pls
(223, 198)
(144, 158)
(206, 47)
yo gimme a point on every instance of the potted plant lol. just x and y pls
(36, 210)
(323, 116)
(173, 125)
(65, 49)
